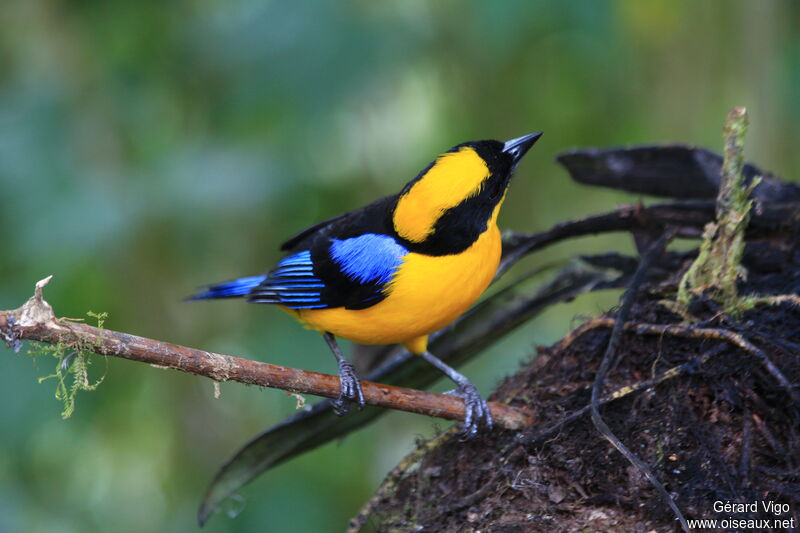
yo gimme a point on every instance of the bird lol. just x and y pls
(400, 268)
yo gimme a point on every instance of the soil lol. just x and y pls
(721, 430)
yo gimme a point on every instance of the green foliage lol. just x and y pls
(72, 367)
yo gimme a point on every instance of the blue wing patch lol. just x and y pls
(368, 258)
(292, 284)
(350, 272)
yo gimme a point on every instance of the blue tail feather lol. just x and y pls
(230, 289)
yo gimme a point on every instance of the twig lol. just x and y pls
(623, 392)
(747, 446)
(36, 321)
(608, 358)
(691, 332)
(688, 217)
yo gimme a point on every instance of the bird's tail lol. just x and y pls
(230, 289)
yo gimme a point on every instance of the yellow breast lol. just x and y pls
(426, 294)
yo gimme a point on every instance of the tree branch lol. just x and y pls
(770, 221)
(36, 321)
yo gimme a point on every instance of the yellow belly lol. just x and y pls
(426, 294)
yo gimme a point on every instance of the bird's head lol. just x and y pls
(454, 199)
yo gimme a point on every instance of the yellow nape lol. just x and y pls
(426, 294)
(453, 178)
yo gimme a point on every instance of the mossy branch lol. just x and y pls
(717, 268)
(71, 372)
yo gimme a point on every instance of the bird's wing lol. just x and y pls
(371, 218)
(294, 241)
(350, 272)
(292, 283)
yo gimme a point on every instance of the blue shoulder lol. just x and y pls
(369, 258)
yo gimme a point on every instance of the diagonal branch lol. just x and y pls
(36, 321)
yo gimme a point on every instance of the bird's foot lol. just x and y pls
(10, 335)
(477, 411)
(351, 389)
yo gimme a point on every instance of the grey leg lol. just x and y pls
(477, 411)
(351, 387)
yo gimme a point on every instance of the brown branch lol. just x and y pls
(36, 321)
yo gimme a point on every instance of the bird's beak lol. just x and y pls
(519, 146)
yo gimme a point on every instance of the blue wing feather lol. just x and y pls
(292, 284)
(346, 272)
(368, 258)
(230, 289)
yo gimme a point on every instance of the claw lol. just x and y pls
(10, 336)
(351, 389)
(477, 411)
(348, 380)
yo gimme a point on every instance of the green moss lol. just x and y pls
(72, 367)
(718, 265)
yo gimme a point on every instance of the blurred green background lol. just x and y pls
(147, 148)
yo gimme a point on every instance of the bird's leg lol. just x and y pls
(476, 410)
(351, 387)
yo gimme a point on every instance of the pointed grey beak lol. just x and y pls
(519, 146)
